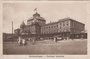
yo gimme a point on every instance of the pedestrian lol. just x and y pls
(56, 40)
(19, 41)
(23, 42)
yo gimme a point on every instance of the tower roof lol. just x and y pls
(36, 14)
(22, 24)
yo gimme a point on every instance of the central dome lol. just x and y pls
(36, 19)
(36, 14)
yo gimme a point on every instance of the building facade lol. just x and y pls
(37, 27)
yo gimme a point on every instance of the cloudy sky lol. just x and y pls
(18, 12)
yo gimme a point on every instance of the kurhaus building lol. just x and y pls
(37, 28)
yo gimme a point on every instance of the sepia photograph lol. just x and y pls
(45, 28)
(46, 0)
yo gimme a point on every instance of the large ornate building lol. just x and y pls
(36, 27)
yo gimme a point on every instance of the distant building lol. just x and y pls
(37, 27)
(8, 37)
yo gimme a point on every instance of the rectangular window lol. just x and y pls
(63, 24)
(67, 23)
(57, 25)
(49, 27)
(60, 23)
(60, 27)
(52, 26)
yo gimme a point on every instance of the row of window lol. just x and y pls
(55, 31)
(55, 26)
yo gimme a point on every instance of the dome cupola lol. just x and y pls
(22, 25)
(36, 15)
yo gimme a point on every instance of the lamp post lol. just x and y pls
(12, 30)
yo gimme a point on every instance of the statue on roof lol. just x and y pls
(35, 10)
(36, 13)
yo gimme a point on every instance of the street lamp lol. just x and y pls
(12, 30)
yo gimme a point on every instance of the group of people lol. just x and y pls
(21, 41)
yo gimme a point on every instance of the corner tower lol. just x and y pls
(36, 18)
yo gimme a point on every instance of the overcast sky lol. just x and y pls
(45, 0)
(18, 12)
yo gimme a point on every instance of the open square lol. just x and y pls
(64, 47)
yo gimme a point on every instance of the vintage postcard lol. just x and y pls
(45, 29)
(46, 0)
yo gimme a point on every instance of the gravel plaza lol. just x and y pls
(64, 47)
